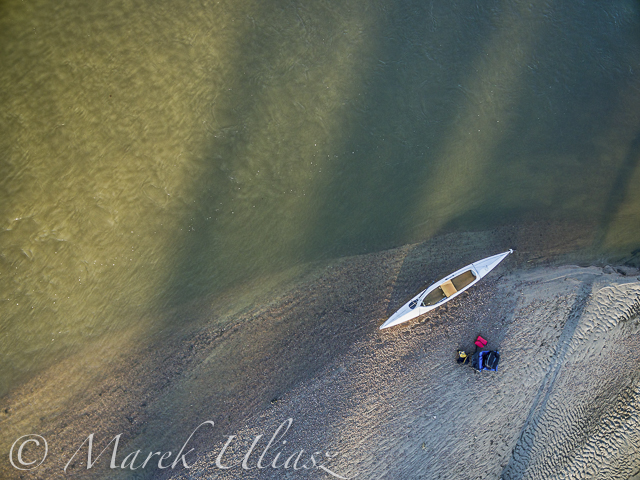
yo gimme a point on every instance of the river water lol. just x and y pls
(157, 153)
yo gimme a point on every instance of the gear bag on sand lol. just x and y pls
(486, 360)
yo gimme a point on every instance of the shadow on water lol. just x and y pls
(251, 215)
(396, 128)
(202, 263)
(619, 191)
(362, 200)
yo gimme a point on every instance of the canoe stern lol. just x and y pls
(406, 313)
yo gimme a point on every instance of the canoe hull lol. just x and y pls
(415, 307)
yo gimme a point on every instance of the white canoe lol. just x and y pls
(444, 290)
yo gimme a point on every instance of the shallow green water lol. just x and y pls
(154, 153)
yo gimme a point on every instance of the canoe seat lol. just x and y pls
(448, 288)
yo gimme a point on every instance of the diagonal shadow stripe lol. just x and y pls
(619, 190)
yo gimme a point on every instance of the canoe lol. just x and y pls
(444, 290)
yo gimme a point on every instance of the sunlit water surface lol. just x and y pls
(155, 153)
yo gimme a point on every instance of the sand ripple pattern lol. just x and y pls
(584, 421)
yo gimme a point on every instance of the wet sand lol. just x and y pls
(565, 402)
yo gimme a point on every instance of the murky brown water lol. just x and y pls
(157, 153)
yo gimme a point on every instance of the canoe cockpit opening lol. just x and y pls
(433, 297)
(463, 280)
(448, 288)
